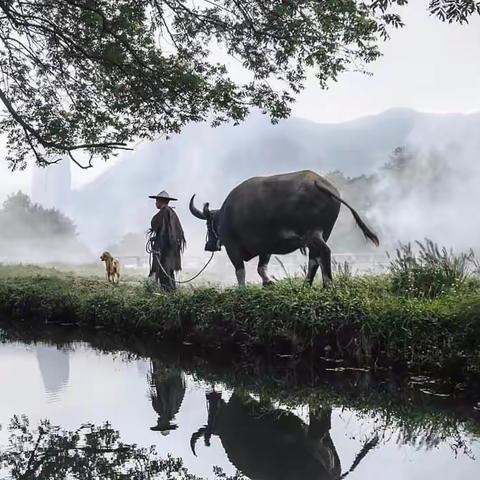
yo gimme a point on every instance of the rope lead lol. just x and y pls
(151, 252)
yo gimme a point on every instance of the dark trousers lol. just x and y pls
(165, 276)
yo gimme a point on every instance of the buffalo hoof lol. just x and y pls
(269, 283)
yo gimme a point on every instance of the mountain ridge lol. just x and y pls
(210, 162)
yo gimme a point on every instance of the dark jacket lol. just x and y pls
(169, 238)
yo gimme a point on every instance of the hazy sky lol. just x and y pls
(428, 66)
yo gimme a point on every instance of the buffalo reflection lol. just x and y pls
(260, 441)
(266, 443)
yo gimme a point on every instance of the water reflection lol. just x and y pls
(167, 390)
(90, 451)
(54, 365)
(254, 424)
(271, 444)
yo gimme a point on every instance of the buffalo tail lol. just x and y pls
(366, 231)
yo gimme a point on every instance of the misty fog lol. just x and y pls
(447, 154)
(431, 194)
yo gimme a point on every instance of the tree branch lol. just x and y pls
(58, 146)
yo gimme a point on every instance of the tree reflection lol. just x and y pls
(90, 452)
(54, 365)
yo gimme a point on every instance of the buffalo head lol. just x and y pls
(211, 217)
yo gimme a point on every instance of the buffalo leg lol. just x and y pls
(313, 263)
(237, 261)
(262, 269)
(319, 440)
(319, 255)
(240, 273)
(326, 265)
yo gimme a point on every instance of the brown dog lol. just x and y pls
(112, 265)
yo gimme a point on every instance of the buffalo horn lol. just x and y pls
(195, 211)
(195, 437)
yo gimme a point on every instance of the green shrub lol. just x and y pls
(430, 272)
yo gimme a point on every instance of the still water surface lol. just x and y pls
(152, 403)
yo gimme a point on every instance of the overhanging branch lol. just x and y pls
(58, 146)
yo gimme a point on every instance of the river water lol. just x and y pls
(151, 402)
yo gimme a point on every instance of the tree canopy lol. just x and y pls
(85, 78)
(21, 220)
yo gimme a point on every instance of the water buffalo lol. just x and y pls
(277, 215)
(271, 444)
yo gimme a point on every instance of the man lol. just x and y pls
(167, 242)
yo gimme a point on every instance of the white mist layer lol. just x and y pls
(439, 199)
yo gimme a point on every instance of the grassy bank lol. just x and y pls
(386, 320)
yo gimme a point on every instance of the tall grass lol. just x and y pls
(342, 271)
(430, 272)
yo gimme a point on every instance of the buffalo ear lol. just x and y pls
(206, 210)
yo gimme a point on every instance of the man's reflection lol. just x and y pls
(167, 389)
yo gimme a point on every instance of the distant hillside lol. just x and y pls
(210, 162)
